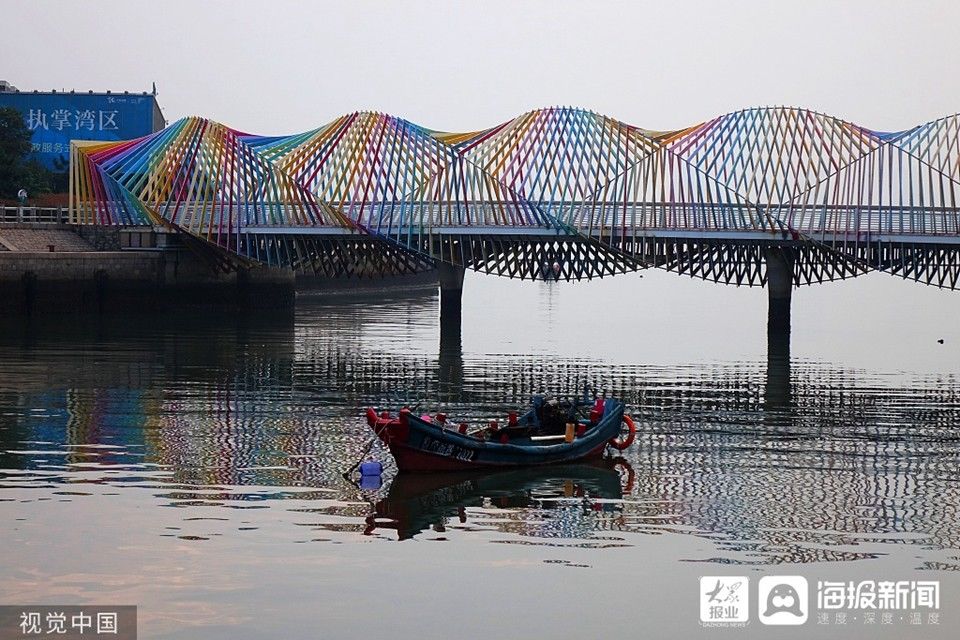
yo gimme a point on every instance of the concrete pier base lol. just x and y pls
(779, 289)
(451, 352)
(451, 296)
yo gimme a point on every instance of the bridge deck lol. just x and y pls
(599, 220)
(542, 233)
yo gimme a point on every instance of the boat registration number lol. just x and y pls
(448, 449)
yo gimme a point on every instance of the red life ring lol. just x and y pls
(619, 444)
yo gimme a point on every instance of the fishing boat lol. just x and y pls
(550, 432)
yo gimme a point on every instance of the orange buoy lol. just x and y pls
(622, 443)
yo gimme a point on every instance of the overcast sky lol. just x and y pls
(277, 67)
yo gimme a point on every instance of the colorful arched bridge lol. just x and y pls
(745, 197)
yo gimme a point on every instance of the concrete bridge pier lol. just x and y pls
(451, 296)
(780, 289)
(451, 349)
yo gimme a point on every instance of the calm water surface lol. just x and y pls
(190, 463)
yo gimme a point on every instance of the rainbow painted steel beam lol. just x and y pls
(566, 181)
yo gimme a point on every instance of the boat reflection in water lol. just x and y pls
(417, 502)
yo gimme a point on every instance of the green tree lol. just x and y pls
(35, 178)
(14, 146)
(16, 171)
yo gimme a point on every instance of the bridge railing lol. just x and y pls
(900, 220)
(38, 215)
(588, 217)
(384, 216)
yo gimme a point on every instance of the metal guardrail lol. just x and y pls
(38, 215)
(587, 216)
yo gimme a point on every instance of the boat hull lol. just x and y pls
(414, 460)
(421, 446)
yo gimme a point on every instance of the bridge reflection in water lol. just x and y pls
(774, 460)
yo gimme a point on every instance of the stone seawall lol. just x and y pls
(92, 281)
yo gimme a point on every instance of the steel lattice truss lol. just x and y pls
(561, 191)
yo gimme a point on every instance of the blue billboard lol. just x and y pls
(57, 118)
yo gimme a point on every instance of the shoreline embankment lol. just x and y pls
(65, 269)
